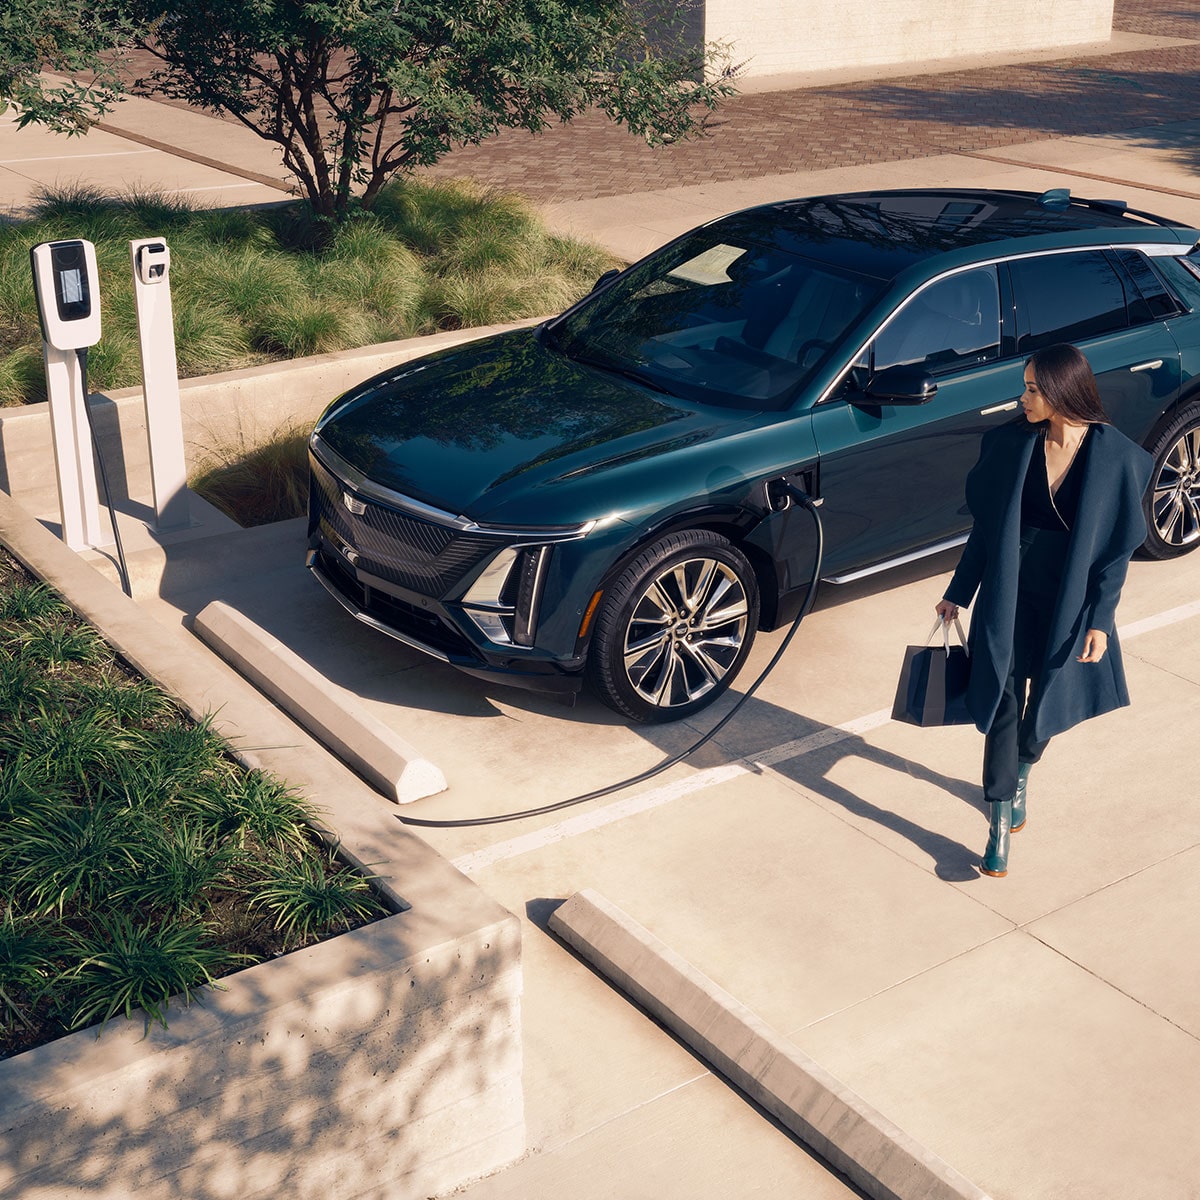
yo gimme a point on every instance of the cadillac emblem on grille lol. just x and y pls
(357, 507)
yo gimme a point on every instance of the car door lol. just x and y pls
(1105, 302)
(892, 476)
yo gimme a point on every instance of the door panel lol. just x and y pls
(893, 477)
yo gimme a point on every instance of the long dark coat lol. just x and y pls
(1108, 528)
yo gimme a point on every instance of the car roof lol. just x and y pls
(882, 233)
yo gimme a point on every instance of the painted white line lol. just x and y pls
(645, 801)
(71, 157)
(225, 187)
(1171, 617)
(597, 818)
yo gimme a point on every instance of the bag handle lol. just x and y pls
(946, 634)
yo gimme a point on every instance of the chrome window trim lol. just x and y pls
(1157, 249)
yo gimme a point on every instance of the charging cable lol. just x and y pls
(81, 354)
(805, 501)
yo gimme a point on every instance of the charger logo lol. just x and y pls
(357, 507)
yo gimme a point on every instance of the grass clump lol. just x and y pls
(138, 860)
(259, 484)
(256, 286)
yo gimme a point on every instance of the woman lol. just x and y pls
(1057, 503)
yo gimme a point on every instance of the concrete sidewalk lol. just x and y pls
(1039, 1033)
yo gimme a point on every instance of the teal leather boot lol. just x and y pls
(995, 857)
(1018, 813)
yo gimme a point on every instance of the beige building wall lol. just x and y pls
(777, 36)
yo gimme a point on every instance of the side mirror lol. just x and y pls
(901, 385)
(608, 275)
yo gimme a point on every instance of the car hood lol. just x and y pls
(508, 429)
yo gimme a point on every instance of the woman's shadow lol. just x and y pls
(817, 751)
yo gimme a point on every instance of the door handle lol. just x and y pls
(1153, 365)
(995, 408)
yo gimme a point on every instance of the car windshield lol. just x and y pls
(719, 320)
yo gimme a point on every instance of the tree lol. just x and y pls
(354, 91)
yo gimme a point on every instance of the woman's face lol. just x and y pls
(1033, 402)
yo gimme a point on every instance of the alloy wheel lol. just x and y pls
(685, 632)
(1175, 500)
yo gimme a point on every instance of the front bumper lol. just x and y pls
(437, 583)
(391, 615)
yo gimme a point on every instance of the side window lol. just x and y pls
(951, 324)
(1066, 298)
(1155, 301)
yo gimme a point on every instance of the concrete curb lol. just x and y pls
(332, 714)
(822, 1112)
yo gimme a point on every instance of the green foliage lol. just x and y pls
(307, 895)
(252, 286)
(266, 483)
(124, 965)
(138, 860)
(354, 91)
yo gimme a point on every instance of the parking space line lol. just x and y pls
(1171, 617)
(585, 822)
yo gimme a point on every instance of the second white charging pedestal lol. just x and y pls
(160, 381)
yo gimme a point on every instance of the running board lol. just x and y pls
(927, 552)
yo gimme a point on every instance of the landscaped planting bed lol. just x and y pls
(138, 859)
(257, 286)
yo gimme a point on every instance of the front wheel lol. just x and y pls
(675, 628)
(1173, 498)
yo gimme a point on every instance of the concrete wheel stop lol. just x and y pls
(334, 716)
(822, 1112)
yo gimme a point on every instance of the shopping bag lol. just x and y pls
(933, 682)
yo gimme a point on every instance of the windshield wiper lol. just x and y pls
(614, 368)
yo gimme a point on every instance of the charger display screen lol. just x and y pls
(71, 292)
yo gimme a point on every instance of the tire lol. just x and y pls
(1172, 501)
(675, 628)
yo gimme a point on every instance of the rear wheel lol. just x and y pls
(1173, 498)
(675, 628)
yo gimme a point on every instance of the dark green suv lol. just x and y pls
(606, 496)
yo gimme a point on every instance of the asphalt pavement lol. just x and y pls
(1040, 1033)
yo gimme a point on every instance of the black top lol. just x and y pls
(1039, 508)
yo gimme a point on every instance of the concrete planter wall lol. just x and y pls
(385, 1062)
(778, 36)
(359, 1067)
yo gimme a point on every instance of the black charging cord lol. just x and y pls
(82, 355)
(804, 500)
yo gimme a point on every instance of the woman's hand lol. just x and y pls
(1094, 646)
(946, 610)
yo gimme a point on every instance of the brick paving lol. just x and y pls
(877, 121)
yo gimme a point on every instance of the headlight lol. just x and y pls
(504, 601)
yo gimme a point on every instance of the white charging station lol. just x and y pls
(67, 286)
(160, 381)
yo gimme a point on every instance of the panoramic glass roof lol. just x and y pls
(881, 233)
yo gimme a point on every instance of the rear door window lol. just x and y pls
(1066, 298)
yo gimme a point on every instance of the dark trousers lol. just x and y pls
(1010, 739)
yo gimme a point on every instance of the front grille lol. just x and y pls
(422, 626)
(403, 549)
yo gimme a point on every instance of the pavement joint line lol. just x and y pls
(586, 822)
(1055, 169)
(191, 156)
(812, 1104)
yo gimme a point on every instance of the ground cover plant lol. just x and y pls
(253, 286)
(138, 860)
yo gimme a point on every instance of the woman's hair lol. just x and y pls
(1065, 379)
